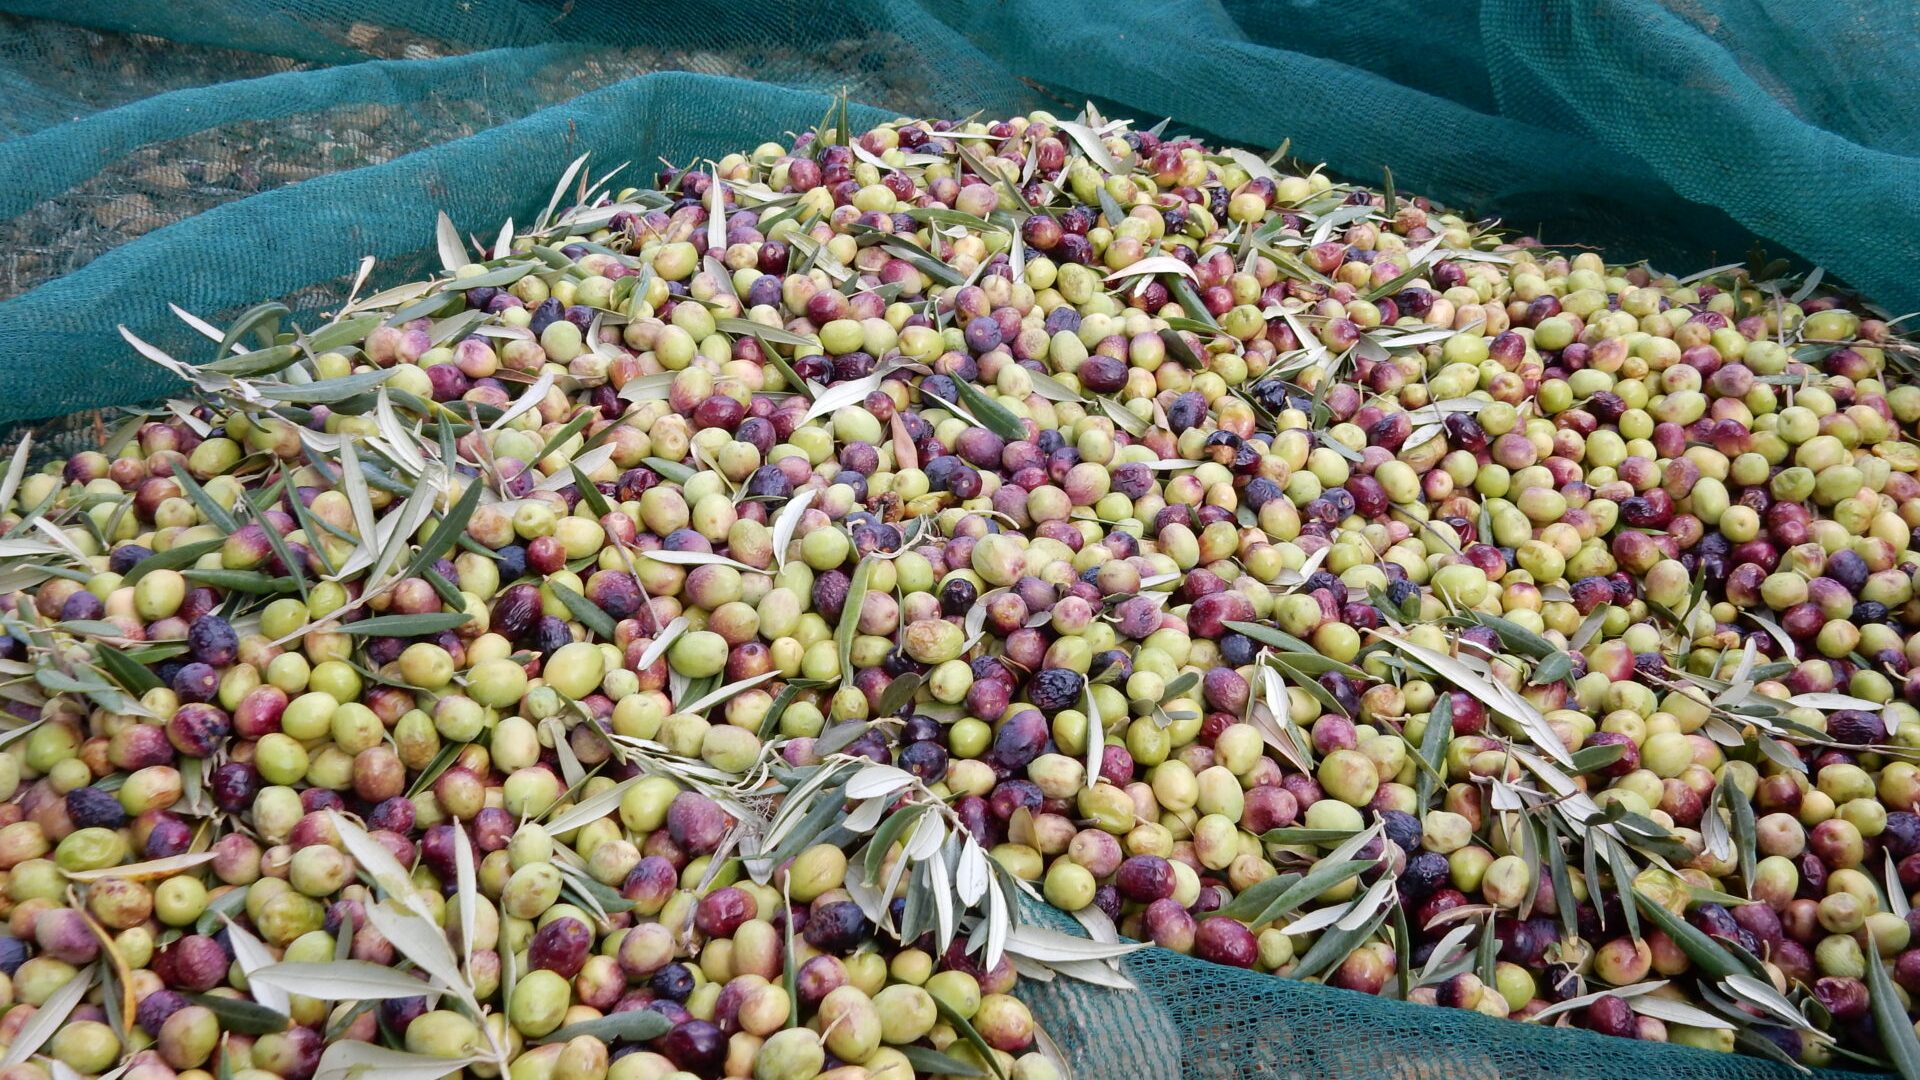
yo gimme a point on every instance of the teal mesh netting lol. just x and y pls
(1198, 1021)
(212, 153)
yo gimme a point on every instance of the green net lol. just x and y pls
(212, 153)
(1199, 1021)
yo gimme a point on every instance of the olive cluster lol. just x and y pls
(1297, 575)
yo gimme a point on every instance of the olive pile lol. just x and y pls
(671, 642)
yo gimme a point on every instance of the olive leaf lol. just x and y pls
(1052, 946)
(245, 1017)
(658, 646)
(788, 522)
(843, 395)
(884, 837)
(252, 956)
(1096, 737)
(171, 559)
(1493, 694)
(468, 889)
(260, 320)
(49, 1017)
(1627, 993)
(725, 693)
(849, 626)
(421, 941)
(965, 1029)
(1297, 835)
(16, 470)
(342, 980)
(376, 860)
(636, 1025)
(453, 253)
(151, 870)
(219, 909)
(216, 515)
(1706, 953)
(654, 387)
(1670, 1011)
(592, 808)
(1334, 946)
(927, 1061)
(406, 625)
(346, 1060)
(1273, 716)
(585, 611)
(1251, 900)
(1896, 1029)
(1433, 748)
(697, 558)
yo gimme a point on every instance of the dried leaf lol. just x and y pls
(152, 870)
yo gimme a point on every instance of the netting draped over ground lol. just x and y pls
(212, 153)
(1194, 1020)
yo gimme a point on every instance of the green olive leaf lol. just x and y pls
(406, 625)
(966, 1030)
(585, 610)
(216, 515)
(171, 559)
(849, 626)
(242, 581)
(635, 1025)
(245, 1017)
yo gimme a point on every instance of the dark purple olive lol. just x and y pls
(212, 640)
(837, 927)
(561, 946)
